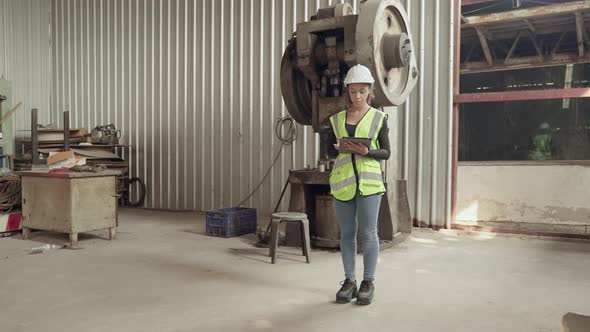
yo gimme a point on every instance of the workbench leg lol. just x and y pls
(73, 240)
(112, 232)
(26, 233)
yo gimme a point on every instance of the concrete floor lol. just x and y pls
(163, 274)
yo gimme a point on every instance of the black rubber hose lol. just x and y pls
(142, 192)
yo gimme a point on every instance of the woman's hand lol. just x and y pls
(337, 145)
(356, 148)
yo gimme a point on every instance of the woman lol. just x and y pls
(357, 183)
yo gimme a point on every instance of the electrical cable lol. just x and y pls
(10, 191)
(286, 132)
(142, 191)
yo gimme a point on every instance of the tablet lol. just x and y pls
(365, 141)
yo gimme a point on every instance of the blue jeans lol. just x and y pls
(365, 210)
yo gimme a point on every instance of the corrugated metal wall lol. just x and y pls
(25, 56)
(427, 125)
(194, 85)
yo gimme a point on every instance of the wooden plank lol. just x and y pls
(96, 204)
(580, 33)
(95, 153)
(42, 209)
(522, 95)
(521, 14)
(60, 156)
(484, 45)
(72, 175)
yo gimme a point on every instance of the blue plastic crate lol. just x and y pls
(230, 222)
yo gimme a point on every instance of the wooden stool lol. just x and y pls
(297, 217)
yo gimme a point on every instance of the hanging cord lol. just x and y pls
(286, 131)
(10, 192)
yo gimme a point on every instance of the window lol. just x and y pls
(526, 130)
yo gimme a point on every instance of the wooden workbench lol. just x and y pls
(69, 203)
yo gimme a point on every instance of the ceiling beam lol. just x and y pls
(521, 14)
(475, 2)
(488, 97)
(524, 63)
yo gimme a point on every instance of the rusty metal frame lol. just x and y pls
(521, 14)
(522, 95)
(455, 115)
(530, 25)
(484, 45)
(558, 44)
(475, 2)
(513, 48)
(483, 23)
(525, 62)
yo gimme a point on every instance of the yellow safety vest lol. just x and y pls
(343, 183)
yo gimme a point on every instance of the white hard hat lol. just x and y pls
(544, 125)
(359, 74)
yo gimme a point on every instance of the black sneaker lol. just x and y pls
(347, 292)
(366, 293)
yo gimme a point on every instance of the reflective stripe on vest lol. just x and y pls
(343, 182)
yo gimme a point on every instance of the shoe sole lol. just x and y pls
(344, 300)
(364, 301)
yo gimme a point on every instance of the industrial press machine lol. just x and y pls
(313, 67)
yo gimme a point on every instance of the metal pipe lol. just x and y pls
(434, 179)
(34, 137)
(420, 120)
(455, 116)
(66, 131)
(451, 92)
(406, 147)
